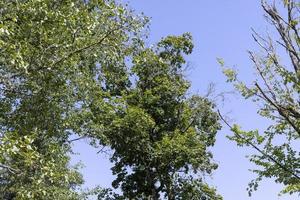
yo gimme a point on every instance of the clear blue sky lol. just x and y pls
(220, 28)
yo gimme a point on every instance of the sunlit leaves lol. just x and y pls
(60, 63)
(159, 134)
(276, 91)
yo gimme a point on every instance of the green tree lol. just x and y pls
(57, 58)
(161, 136)
(276, 90)
(65, 71)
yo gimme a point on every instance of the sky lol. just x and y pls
(220, 28)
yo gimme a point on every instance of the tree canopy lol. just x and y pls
(276, 91)
(80, 68)
(160, 136)
(83, 69)
(55, 58)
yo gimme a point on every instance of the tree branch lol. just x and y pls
(83, 48)
(10, 169)
(283, 32)
(279, 108)
(76, 139)
(259, 150)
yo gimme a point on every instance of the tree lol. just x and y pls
(161, 136)
(276, 90)
(65, 71)
(57, 58)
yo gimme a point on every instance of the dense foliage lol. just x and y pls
(160, 136)
(77, 68)
(51, 53)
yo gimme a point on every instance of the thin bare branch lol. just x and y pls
(76, 139)
(279, 109)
